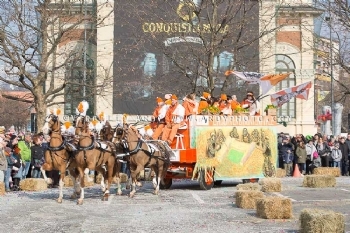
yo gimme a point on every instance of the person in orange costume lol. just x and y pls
(190, 105)
(222, 102)
(234, 103)
(173, 118)
(159, 118)
(203, 103)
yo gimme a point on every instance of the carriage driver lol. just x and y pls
(159, 117)
(173, 118)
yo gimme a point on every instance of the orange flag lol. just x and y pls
(274, 78)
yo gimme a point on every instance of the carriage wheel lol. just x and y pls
(167, 183)
(217, 182)
(206, 184)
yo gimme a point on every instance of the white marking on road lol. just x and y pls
(197, 198)
(280, 195)
(345, 190)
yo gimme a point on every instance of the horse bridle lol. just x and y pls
(54, 118)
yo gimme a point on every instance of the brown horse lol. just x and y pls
(57, 156)
(141, 154)
(93, 156)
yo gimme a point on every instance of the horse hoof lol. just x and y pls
(119, 193)
(80, 202)
(131, 195)
(59, 200)
(155, 192)
(49, 181)
(139, 184)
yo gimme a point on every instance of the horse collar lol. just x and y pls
(61, 147)
(90, 147)
(137, 148)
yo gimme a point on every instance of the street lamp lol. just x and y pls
(328, 19)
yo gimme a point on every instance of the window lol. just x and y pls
(80, 85)
(285, 64)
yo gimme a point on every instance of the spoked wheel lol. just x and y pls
(206, 180)
(217, 182)
(167, 183)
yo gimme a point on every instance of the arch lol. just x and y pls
(285, 64)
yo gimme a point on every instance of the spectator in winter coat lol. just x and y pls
(25, 153)
(288, 157)
(300, 153)
(336, 156)
(323, 151)
(37, 153)
(345, 156)
(3, 161)
(310, 150)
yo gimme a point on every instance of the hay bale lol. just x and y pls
(248, 186)
(280, 173)
(2, 188)
(271, 185)
(319, 181)
(332, 171)
(33, 184)
(321, 221)
(246, 199)
(274, 208)
(68, 182)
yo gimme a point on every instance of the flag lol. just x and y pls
(321, 95)
(266, 82)
(250, 77)
(269, 81)
(284, 96)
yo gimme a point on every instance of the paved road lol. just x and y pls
(183, 208)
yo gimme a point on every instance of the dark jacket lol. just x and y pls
(37, 153)
(287, 157)
(344, 148)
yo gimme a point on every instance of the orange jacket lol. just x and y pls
(203, 104)
(169, 114)
(235, 104)
(189, 107)
(156, 111)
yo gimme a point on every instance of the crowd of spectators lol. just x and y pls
(309, 152)
(21, 157)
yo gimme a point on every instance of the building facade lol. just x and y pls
(121, 54)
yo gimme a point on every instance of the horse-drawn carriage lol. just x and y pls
(207, 148)
(213, 148)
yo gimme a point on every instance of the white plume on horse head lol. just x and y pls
(48, 112)
(99, 126)
(82, 108)
(71, 130)
(91, 126)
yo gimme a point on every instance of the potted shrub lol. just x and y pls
(270, 110)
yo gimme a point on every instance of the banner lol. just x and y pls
(237, 151)
(284, 96)
(321, 95)
(266, 82)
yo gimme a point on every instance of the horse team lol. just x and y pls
(100, 149)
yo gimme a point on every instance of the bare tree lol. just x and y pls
(41, 40)
(15, 113)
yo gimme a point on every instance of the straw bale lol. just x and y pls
(248, 186)
(271, 185)
(274, 208)
(280, 173)
(33, 184)
(321, 221)
(2, 188)
(246, 199)
(319, 181)
(333, 171)
(68, 182)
